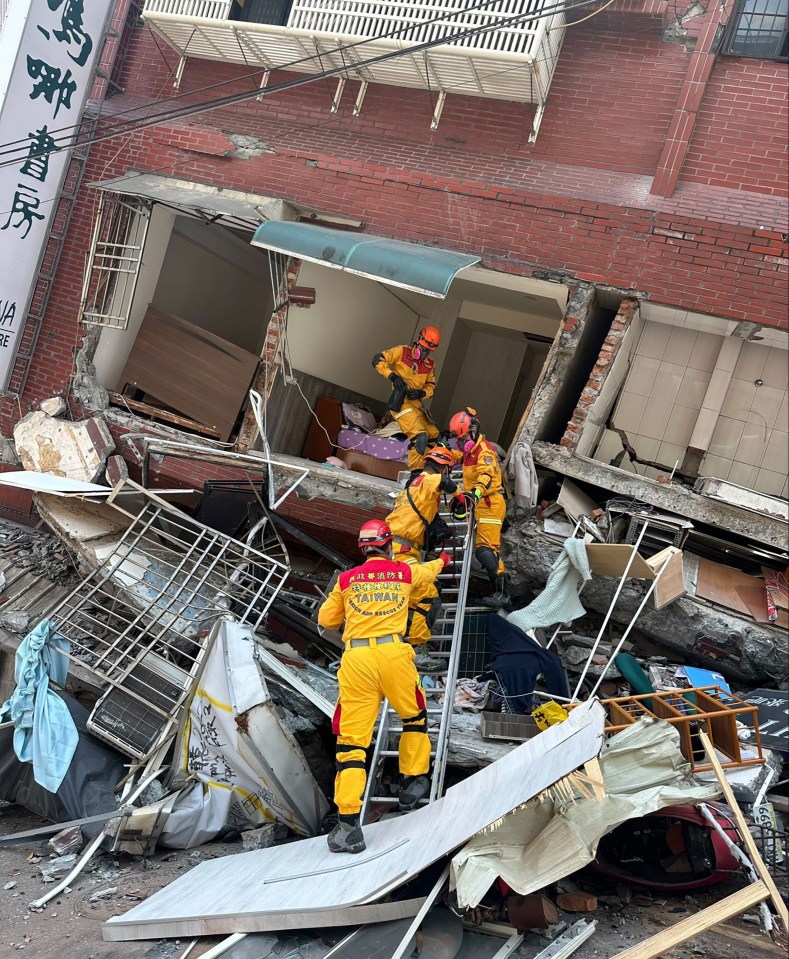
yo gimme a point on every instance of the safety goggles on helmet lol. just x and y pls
(429, 338)
(375, 534)
(441, 456)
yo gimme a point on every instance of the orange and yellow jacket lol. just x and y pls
(425, 490)
(373, 598)
(418, 374)
(481, 469)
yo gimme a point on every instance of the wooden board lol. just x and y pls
(694, 925)
(718, 584)
(672, 581)
(195, 372)
(611, 559)
(303, 878)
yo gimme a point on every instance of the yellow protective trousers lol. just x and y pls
(490, 514)
(368, 674)
(420, 597)
(412, 421)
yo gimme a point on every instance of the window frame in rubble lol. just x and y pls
(114, 259)
(758, 29)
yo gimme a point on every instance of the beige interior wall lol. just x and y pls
(662, 397)
(352, 319)
(114, 346)
(216, 281)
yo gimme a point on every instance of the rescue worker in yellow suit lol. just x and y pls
(377, 663)
(415, 509)
(413, 375)
(483, 486)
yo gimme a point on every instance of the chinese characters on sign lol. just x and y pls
(47, 54)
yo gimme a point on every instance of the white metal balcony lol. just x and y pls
(509, 60)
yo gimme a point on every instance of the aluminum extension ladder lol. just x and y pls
(445, 644)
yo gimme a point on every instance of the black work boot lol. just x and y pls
(412, 790)
(347, 836)
(501, 596)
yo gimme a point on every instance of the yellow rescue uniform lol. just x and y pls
(421, 496)
(372, 600)
(481, 471)
(418, 374)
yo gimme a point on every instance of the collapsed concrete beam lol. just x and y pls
(673, 499)
(749, 653)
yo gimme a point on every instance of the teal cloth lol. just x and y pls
(558, 602)
(45, 734)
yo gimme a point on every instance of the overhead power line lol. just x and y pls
(14, 155)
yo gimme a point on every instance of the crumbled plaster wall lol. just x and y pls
(85, 386)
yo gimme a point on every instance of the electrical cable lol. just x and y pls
(337, 50)
(206, 106)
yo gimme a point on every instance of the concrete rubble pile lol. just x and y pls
(194, 693)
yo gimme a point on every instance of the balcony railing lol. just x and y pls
(501, 59)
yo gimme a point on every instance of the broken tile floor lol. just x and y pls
(70, 926)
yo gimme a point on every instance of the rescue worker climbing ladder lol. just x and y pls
(415, 510)
(482, 481)
(372, 600)
(413, 376)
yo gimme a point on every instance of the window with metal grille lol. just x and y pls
(758, 28)
(114, 260)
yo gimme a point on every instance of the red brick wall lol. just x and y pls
(742, 130)
(577, 203)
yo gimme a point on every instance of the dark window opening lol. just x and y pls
(758, 28)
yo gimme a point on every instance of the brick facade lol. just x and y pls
(575, 205)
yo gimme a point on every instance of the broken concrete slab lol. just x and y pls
(54, 406)
(116, 469)
(742, 650)
(674, 498)
(300, 879)
(76, 450)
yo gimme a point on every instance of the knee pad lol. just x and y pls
(420, 443)
(488, 560)
(416, 724)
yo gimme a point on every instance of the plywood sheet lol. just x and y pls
(719, 584)
(671, 584)
(189, 369)
(303, 878)
(611, 559)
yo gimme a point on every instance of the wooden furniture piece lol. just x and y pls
(194, 372)
(328, 419)
(691, 711)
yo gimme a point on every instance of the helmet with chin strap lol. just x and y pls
(441, 456)
(375, 535)
(429, 338)
(464, 426)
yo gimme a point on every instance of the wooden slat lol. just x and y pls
(156, 412)
(195, 372)
(753, 852)
(730, 906)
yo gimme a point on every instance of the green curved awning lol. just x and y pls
(424, 269)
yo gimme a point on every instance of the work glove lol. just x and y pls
(445, 558)
(477, 494)
(415, 394)
(397, 381)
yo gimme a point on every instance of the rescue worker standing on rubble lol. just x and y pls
(377, 663)
(412, 372)
(484, 492)
(415, 509)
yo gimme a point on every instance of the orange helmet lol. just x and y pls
(441, 456)
(461, 423)
(375, 534)
(429, 338)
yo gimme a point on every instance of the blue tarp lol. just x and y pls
(45, 734)
(424, 269)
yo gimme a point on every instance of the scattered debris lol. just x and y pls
(77, 451)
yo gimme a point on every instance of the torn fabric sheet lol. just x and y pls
(643, 771)
(558, 602)
(249, 767)
(526, 482)
(45, 734)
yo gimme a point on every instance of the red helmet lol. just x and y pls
(441, 456)
(429, 338)
(461, 423)
(375, 534)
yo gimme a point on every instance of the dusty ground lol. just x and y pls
(70, 926)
